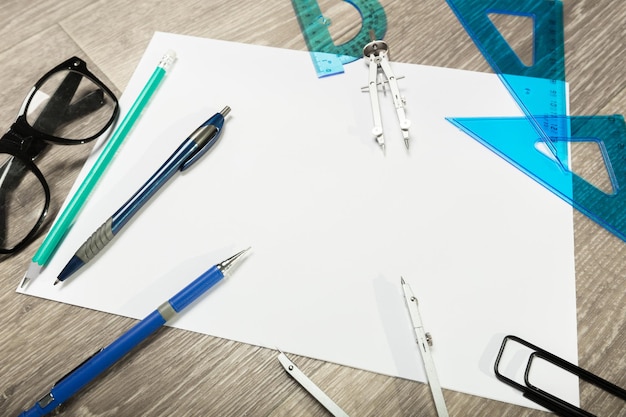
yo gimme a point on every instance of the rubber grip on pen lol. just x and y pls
(96, 242)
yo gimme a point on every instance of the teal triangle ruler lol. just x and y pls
(539, 90)
(329, 58)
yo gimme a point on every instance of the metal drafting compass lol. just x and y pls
(376, 53)
(308, 385)
(424, 341)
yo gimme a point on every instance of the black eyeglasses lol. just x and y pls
(67, 106)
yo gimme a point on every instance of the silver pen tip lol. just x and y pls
(228, 264)
(225, 111)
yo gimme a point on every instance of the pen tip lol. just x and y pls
(401, 280)
(225, 111)
(56, 281)
(226, 265)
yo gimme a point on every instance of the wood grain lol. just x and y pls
(187, 374)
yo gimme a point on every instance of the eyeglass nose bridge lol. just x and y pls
(20, 142)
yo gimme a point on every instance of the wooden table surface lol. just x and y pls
(182, 373)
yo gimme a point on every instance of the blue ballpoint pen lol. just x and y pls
(101, 361)
(187, 153)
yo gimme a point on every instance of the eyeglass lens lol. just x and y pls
(22, 201)
(67, 105)
(70, 106)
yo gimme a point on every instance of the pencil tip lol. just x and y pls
(24, 281)
(33, 271)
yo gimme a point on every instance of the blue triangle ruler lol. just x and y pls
(518, 145)
(328, 58)
(539, 90)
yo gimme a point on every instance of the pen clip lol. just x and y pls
(78, 366)
(205, 137)
(48, 398)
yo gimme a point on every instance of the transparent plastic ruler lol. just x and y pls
(539, 88)
(540, 91)
(327, 57)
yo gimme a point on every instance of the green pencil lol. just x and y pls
(64, 222)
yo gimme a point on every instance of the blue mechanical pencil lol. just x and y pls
(101, 361)
(192, 148)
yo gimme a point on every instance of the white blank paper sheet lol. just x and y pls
(333, 222)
